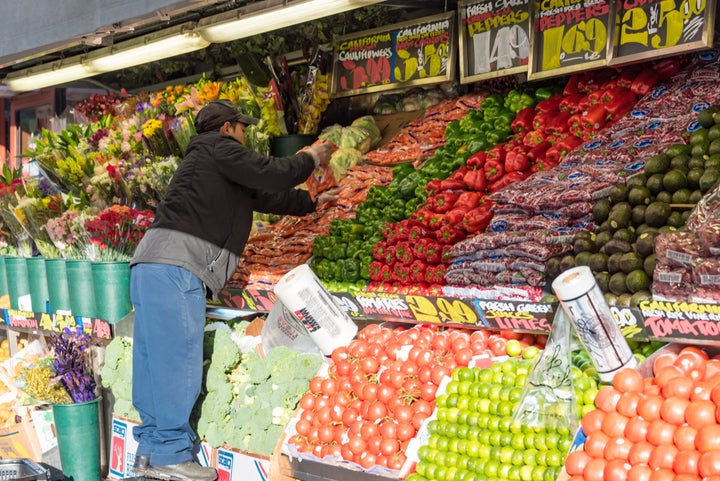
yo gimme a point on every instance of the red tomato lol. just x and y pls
(405, 431)
(640, 453)
(712, 368)
(666, 374)
(595, 444)
(614, 424)
(628, 402)
(576, 461)
(701, 391)
(403, 414)
(377, 410)
(649, 407)
(595, 470)
(662, 360)
(636, 429)
(640, 472)
(684, 438)
(617, 448)
(709, 463)
(688, 477)
(389, 446)
(700, 413)
(592, 421)
(681, 386)
(663, 457)
(660, 432)
(463, 356)
(388, 429)
(607, 398)
(316, 385)
(673, 410)
(662, 475)
(616, 470)
(356, 444)
(628, 380)
(708, 438)
(686, 462)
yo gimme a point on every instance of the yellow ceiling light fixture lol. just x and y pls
(62, 71)
(244, 22)
(148, 48)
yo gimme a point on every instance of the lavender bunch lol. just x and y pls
(71, 363)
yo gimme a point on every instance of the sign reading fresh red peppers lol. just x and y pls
(542, 38)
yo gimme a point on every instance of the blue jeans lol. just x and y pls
(169, 321)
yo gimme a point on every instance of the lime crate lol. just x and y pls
(22, 470)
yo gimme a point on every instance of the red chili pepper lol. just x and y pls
(477, 219)
(644, 82)
(570, 103)
(442, 202)
(376, 271)
(595, 118)
(476, 160)
(493, 170)
(417, 271)
(433, 252)
(523, 121)
(507, 179)
(537, 152)
(516, 161)
(550, 105)
(455, 216)
(559, 124)
(468, 200)
(451, 184)
(449, 234)
(432, 187)
(475, 180)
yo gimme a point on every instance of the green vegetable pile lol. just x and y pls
(249, 399)
(116, 375)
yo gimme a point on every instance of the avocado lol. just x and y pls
(705, 117)
(602, 237)
(638, 215)
(675, 179)
(615, 246)
(582, 258)
(677, 149)
(657, 213)
(645, 243)
(713, 133)
(686, 215)
(584, 245)
(700, 149)
(637, 280)
(631, 261)
(598, 262)
(567, 262)
(695, 196)
(614, 263)
(639, 195)
(636, 180)
(618, 193)
(667, 228)
(657, 164)
(675, 219)
(699, 136)
(617, 285)
(714, 147)
(693, 177)
(680, 162)
(708, 179)
(610, 298)
(584, 234)
(626, 234)
(640, 230)
(602, 279)
(639, 297)
(712, 162)
(649, 264)
(664, 196)
(681, 196)
(601, 210)
(620, 215)
(655, 183)
(696, 163)
(623, 300)
(552, 267)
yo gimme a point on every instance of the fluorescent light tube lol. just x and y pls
(227, 27)
(45, 76)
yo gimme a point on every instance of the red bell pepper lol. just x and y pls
(533, 138)
(568, 144)
(559, 124)
(432, 187)
(507, 179)
(541, 121)
(403, 252)
(429, 218)
(575, 125)
(417, 271)
(571, 87)
(446, 255)
(376, 271)
(570, 103)
(537, 152)
(477, 219)
(459, 173)
(433, 252)
(390, 255)
(455, 216)
(379, 251)
(550, 105)
(417, 232)
(595, 118)
(442, 202)
(420, 248)
(401, 273)
(404, 228)
(523, 121)
(667, 67)
(516, 161)
(476, 160)
(627, 75)
(475, 180)
(468, 200)
(644, 82)
(449, 234)
(498, 152)
(386, 273)
(619, 103)
(493, 170)
(451, 184)
(596, 96)
(543, 164)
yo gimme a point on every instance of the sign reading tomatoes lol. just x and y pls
(410, 53)
(569, 35)
(494, 38)
(646, 26)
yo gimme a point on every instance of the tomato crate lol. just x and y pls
(310, 470)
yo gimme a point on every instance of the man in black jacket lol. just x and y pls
(188, 254)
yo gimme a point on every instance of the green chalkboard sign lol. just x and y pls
(570, 35)
(494, 38)
(646, 29)
(418, 52)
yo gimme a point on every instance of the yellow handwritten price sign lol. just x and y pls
(648, 28)
(406, 54)
(569, 35)
(441, 310)
(494, 38)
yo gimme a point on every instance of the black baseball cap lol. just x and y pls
(215, 114)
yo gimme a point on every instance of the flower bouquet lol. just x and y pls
(21, 243)
(116, 231)
(148, 180)
(33, 213)
(156, 139)
(68, 234)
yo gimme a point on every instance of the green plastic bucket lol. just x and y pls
(78, 436)
(57, 281)
(18, 283)
(37, 277)
(112, 290)
(284, 145)
(3, 277)
(80, 286)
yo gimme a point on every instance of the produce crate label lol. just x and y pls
(233, 465)
(682, 321)
(122, 449)
(520, 316)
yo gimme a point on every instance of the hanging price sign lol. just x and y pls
(681, 321)
(516, 316)
(397, 56)
(410, 308)
(647, 28)
(494, 38)
(570, 35)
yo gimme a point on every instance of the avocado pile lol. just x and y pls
(621, 254)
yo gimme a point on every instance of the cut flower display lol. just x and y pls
(116, 231)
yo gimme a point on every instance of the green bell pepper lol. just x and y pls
(401, 171)
(406, 189)
(365, 267)
(350, 270)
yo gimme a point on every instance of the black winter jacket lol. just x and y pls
(219, 184)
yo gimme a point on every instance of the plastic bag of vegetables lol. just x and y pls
(342, 160)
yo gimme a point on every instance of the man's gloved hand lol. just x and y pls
(320, 152)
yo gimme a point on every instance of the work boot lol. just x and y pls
(140, 466)
(187, 471)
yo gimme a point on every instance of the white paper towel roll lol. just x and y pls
(305, 296)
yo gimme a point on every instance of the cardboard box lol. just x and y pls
(391, 124)
(123, 448)
(235, 465)
(20, 441)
